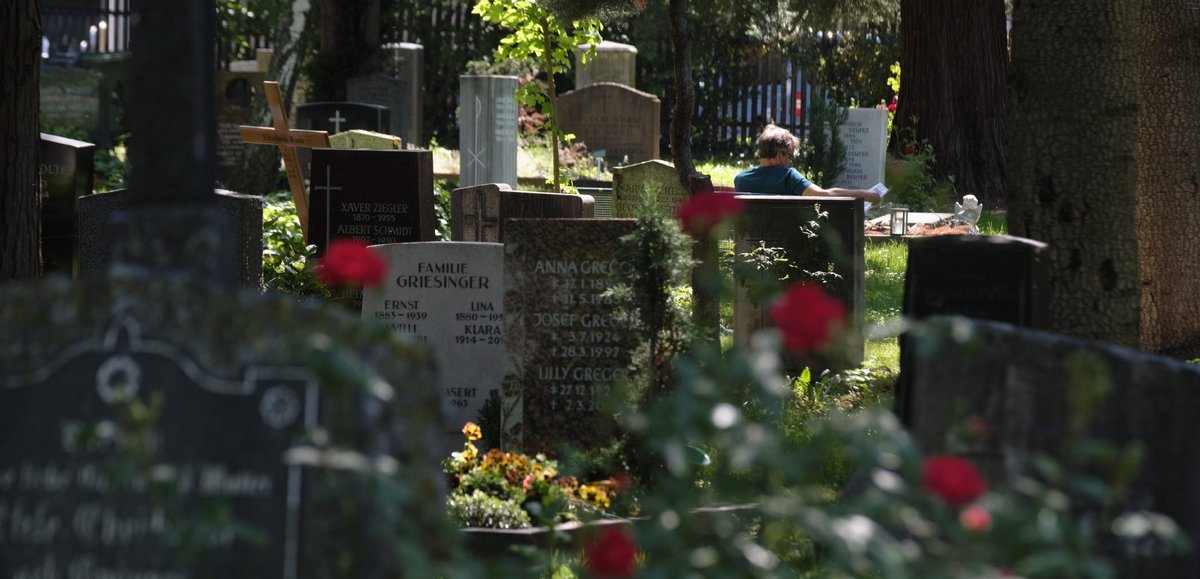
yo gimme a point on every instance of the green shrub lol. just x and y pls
(480, 509)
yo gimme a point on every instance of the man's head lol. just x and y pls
(776, 140)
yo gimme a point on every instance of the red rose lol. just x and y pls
(807, 316)
(909, 150)
(953, 479)
(612, 554)
(349, 263)
(705, 210)
(891, 108)
(976, 519)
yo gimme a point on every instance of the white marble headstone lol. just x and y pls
(865, 136)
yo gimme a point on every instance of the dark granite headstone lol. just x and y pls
(97, 233)
(622, 121)
(986, 277)
(564, 350)
(1020, 382)
(236, 93)
(487, 116)
(333, 118)
(391, 92)
(817, 234)
(478, 213)
(66, 169)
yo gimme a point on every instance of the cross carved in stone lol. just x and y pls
(287, 139)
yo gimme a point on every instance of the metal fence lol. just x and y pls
(74, 28)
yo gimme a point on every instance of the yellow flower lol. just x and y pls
(594, 496)
(470, 452)
(472, 431)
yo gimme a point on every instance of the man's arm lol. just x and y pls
(866, 195)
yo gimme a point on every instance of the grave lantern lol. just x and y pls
(899, 219)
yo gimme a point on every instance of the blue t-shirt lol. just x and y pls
(771, 181)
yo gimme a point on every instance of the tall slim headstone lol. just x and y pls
(865, 136)
(488, 130)
(66, 169)
(823, 241)
(450, 297)
(408, 65)
(632, 183)
(237, 93)
(70, 97)
(564, 348)
(622, 121)
(612, 62)
(479, 213)
(388, 91)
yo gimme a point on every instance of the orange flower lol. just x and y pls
(472, 431)
(808, 317)
(349, 262)
(975, 518)
(705, 210)
(953, 479)
(612, 554)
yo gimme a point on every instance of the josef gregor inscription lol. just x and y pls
(564, 348)
(450, 296)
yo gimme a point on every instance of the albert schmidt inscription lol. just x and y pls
(75, 503)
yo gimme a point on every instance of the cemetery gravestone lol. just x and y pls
(449, 296)
(479, 213)
(865, 136)
(992, 277)
(817, 235)
(114, 75)
(335, 118)
(632, 183)
(603, 200)
(387, 91)
(70, 97)
(408, 65)
(613, 62)
(619, 119)
(1020, 381)
(98, 235)
(488, 136)
(66, 168)
(359, 139)
(564, 350)
(237, 93)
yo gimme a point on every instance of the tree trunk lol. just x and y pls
(349, 45)
(258, 168)
(1169, 178)
(1073, 156)
(552, 100)
(20, 203)
(953, 60)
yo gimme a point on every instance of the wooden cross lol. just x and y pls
(287, 140)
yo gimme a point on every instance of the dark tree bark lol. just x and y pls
(1169, 178)
(1073, 158)
(20, 204)
(953, 63)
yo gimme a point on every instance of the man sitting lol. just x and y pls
(774, 174)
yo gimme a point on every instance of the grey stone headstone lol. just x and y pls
(613, 62)
(865, 136)
(408, 65)
(632, 183)
(1020, 381)
(487, 116)
(391, 92)
(70, 97)
(98, 235)
(992, 277)
(479, 213)
(114, 78)
(237, 93)
(66, 170)
(450, 297)
(338, 117)
(835, 242)
(622, 121)
(564, 349)
(603, 196)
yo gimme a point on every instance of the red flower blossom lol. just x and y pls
(891, 108)
(909, 150)
(705, 210)
(953, 479)
(975, 518)
(611, 554)
(349, 263)
(808, 317)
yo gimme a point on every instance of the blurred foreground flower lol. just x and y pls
(705, 210)
(953, 479)
(612, 554)
(975, 518)
(350, 262)
(808, 317)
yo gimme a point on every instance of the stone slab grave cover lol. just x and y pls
(69, 97)
(613, 62)
(564, 350)
(236, 95)
(66, 168)
(865, 136)
(1019, 381)
(987, 277)
(836, 241)
(98, 235)
(450, 297)
(479, 213)
(632, 183)
(622, 121)
(360, 139)
(487, 119)
(391, 92)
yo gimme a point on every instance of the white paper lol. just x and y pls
(877, 188)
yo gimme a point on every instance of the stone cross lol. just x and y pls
(337, 120)
(287, 139)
